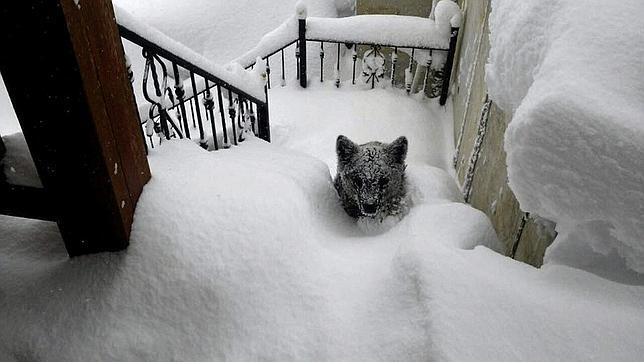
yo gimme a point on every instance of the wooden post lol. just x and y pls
(447, 70)
(67, 79)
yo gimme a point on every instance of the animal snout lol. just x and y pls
(370, 208)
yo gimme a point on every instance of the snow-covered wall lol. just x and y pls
(571, 74)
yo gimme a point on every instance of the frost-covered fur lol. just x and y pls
(371, 178)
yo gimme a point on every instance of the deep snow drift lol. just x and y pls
(241, 254)
(571, 72)
(246, 254)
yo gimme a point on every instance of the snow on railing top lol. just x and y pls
(393, 30)
(281, 37)
(387, 30)
(234, 76)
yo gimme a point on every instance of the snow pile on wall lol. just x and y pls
(487, 307)
(571, 72)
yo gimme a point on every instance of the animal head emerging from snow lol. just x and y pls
(371, 178)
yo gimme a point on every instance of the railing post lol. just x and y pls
(447, 70)
(181, 93)
(301, 16)
(263, 122)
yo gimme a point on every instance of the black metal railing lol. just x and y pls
(380, 62)
(177, 111)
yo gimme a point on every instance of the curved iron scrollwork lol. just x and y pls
(164, 123)
(373, 65)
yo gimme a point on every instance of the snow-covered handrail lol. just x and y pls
(383, 30)
(241, 96)
(432, 41)
(280, 38)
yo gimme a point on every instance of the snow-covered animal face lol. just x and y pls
(371, 177)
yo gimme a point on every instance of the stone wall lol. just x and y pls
(479, 128)
(398, 7)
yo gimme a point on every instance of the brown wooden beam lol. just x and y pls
(66, 76)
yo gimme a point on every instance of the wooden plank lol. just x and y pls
(99, 50)
(75, 117)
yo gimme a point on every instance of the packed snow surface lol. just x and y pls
(246, 254)
(571, 73)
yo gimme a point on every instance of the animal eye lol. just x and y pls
(383, 182)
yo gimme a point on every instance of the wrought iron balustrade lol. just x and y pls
(209, 109)
(187, 101)
(371, 63)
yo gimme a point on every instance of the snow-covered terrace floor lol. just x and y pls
(245, 254)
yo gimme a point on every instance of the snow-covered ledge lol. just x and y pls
(571, 74)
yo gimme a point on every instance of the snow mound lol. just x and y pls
(214, 271)
(571, 72)
(246, 254)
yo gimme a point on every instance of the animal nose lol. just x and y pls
(370, 208)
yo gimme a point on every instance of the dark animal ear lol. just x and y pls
(398, 149)
(345, 149)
